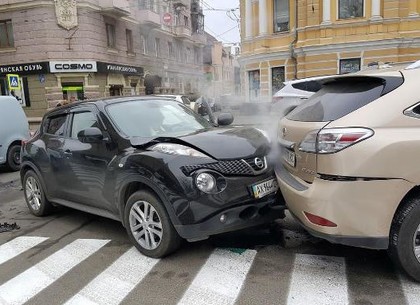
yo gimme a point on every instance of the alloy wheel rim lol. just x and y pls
(416, 243)
(145, 225)
(33, 193)
(16, 158)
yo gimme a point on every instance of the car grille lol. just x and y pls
(245, 167)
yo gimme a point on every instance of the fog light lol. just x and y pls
(206, 183)
(223, 218)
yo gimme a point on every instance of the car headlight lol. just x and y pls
(177, 149)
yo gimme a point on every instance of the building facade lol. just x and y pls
(219, 68)
(80, 49)
(285, 39)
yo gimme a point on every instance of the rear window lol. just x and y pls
(311, 86)
(337, 99)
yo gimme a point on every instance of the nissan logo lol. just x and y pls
(259, 163)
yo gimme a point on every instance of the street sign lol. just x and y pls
(13, 81)
(167, 18)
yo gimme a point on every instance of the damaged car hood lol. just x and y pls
(219, 143)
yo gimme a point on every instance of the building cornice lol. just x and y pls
(358, 46)
(25, 5)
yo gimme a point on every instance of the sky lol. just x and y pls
(217, 21)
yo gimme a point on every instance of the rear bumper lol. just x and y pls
(362, 210)
(236, 218)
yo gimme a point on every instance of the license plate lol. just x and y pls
(264, 188)
(289, 157)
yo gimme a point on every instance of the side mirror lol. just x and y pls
(90, 135)
(225, 119)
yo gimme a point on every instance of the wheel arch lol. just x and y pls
(140, 184)
(27, 166)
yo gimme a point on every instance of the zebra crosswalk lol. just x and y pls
(224, 277)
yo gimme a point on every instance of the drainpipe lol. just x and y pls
(293, 44)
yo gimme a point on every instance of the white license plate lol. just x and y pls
(289, 157)
(264, 188)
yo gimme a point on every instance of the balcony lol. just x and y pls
(182, 31)
(148, 18)
(116, 8)
(177, 3)
(199, 38)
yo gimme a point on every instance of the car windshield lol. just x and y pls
(155, 118)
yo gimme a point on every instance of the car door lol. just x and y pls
(52, 165)
(88, 162)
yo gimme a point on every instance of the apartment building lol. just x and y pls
(80, 49)
(219, 68)
(285, 39)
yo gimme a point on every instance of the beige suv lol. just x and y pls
(350, 170)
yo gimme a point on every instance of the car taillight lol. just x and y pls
(331, 140)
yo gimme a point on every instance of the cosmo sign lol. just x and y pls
(72, 66)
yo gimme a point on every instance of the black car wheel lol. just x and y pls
(148, 225)
(35, 195)
(13, 157)
(404, 246)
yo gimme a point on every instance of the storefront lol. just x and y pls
(122, 79)
(73, 79)
(30, 74)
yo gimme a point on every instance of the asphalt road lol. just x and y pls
(72, 257)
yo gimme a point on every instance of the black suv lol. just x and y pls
(163, 171)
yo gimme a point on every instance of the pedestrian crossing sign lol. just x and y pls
(13, 81)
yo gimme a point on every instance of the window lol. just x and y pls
(350, 9)
(157, 47)
(150, 5)
(196, 55)
(186, 21)
(81, 121)
(254, 84)
(349, 65)
(110, 34)
(143, 44)
(188, 56)
(337, 99)
(129, 37)
(281, 15)
(277, 79)
(6, 34)
(57, 125)
(170, 49)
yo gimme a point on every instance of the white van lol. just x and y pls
(14, 129)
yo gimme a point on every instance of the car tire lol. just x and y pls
(13, 157)
(405, 238)
(34, 193)
(149, 226)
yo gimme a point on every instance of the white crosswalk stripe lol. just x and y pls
(17, 246)
(315, 279)
(220, 279)
(114, 284)
(318, 280)
(29, 283)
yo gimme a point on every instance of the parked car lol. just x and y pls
(14, 129)
(151, 164)
(293, 93)
(350, 155)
